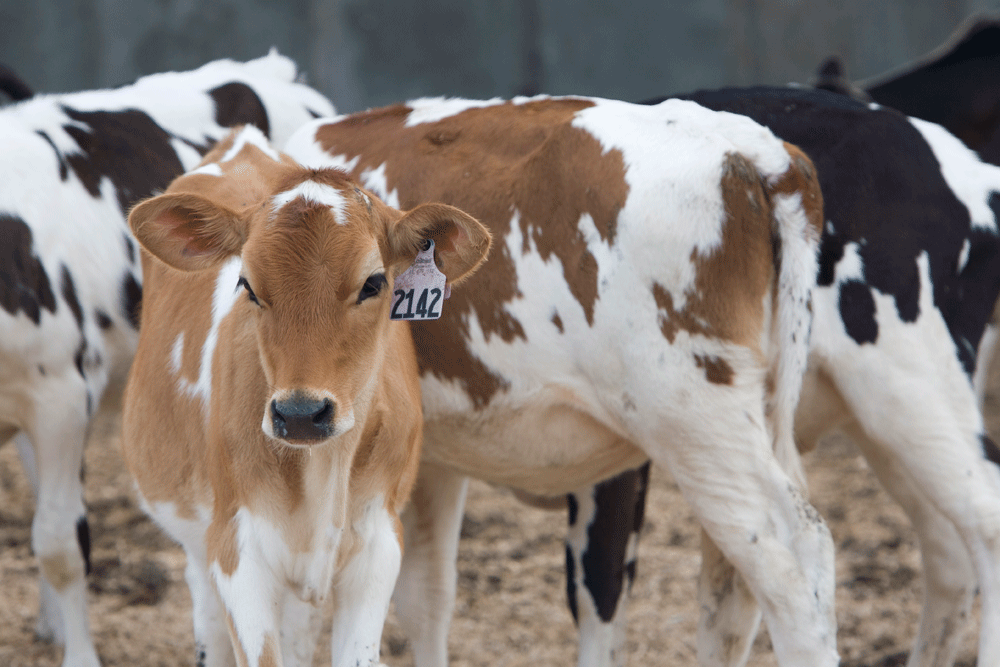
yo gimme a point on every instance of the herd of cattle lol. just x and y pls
(712, 282)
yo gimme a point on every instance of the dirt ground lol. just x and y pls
(511, 608)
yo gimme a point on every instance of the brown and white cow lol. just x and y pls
(272, 415)
(648, 298)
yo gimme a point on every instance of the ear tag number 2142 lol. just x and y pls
(419, 291)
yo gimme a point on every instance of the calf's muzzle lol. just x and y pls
(302, 417)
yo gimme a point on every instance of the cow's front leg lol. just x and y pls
(604, 525)
(52, 453)
(251, 596)
(425, 592)
(301, 626)
(211, 638)
(363, 589)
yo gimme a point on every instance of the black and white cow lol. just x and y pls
(909, 276)
(70, 283)
(957, 85)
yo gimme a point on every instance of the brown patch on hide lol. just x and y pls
(717, 369)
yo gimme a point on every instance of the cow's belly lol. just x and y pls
(545, 446)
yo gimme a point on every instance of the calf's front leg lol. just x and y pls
(363, 589)
(251, 596)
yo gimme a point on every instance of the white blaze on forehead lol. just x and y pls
(433, 109)
(319, 193)
(973, 182)
(253, 136)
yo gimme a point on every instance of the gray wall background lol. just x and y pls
(364, 53)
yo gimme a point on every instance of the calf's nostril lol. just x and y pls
(325, 413)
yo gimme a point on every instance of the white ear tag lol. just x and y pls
(419, 291)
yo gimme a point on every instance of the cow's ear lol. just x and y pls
(187, 231)
(461, 242)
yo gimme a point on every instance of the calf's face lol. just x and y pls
(318, 257)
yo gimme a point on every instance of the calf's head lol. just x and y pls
(317, 258)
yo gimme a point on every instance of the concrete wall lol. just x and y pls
(365, 53)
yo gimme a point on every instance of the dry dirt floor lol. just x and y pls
(511, 608)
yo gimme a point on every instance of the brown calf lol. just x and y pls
(272, 415)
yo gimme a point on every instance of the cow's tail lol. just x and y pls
(797, 206)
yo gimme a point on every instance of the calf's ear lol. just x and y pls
(187, 231)
(461, 242)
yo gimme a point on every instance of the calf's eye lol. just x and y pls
(242, 282)
(372, 287)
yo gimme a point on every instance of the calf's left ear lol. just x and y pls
(461, 242)
(187, 231)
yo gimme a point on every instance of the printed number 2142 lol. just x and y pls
(426, 307)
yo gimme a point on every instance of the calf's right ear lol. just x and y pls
(187, 231)
(461, 242)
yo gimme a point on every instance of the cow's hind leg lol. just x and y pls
(751, 509)
(604, 525)
(730, 615)
(949, 575)
(59, 533)
(425, 592)
(49, 626)
(923, 433)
